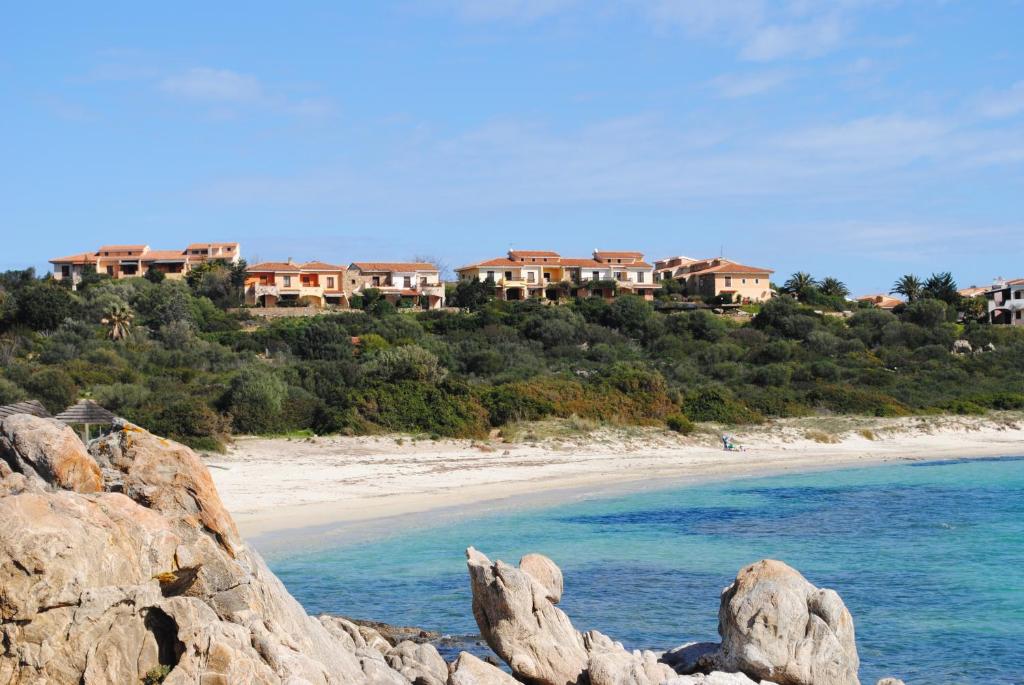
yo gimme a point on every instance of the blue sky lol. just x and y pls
(857, 138)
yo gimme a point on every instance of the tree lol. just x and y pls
(909, 286)
(799, 284)
(472, 293)
(941, 286)
(43, 305)
(118, 321)
(833, 287)
(255, 400)
(155, 275)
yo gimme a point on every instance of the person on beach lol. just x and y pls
(728, 445)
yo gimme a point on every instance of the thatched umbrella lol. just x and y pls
(85, 413)
(33, 407)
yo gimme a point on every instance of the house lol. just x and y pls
(317, 284)
(403, 284)
(127, 261)
(546, 275)
(1006, 302)
(718, 278)
(881, 301)
(973, 291)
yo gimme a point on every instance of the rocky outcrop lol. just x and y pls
(49, 453)
(108, 587)
(517, 618)
(469, 670)
(692, 657)
(777, 626)
(419, 663)
(545, 572)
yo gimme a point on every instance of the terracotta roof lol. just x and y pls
(727, 267)
(273, 266)
(500, 261)
(409, 292)
(532, 253)
(633, 265)
(881, 300)
(83, 258)
(204, 246)
(154, 255)
(321, 266)
(123, 248)
(572, 261)
(394, 266)
(603, 253)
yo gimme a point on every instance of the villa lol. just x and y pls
(403, 284)
(717, 278)
(1006, 302)
(546, 275)
(127, 261)
(881, 301)
(317, 284)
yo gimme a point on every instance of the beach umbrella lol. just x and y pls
(33, 407)
(85, 413)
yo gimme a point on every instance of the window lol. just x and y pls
(407, 281)
(757, 280)
(490, 276)
(110, 271)
(65, 271)
(743, 281)
(619, 275)
(547, 275)
(423, 280)
(640, 277)
(330, 282)
(595, 275)
(287, 281)
(1018, 313)
(508, 275)
(376, 280)
(531, 277)
(728, 281)
(1018, 295)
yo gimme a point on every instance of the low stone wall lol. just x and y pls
(284, 312)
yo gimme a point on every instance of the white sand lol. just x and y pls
(271, 485)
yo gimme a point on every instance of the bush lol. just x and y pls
(716, 404)
(507, 403)
(406, 363)
(54, 387)
(680, 424)
(255, 400)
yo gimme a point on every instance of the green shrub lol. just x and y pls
(718, 405)
(255, 399)
(680, 424)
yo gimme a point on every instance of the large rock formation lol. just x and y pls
(107, 587)
(517, 616)
(776, 626)
(469, 670)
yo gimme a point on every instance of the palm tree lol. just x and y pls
(833, 287)
(798, 284)
(118, 319)
(941, 286)
(909, 286)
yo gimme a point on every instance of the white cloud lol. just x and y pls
(218, 85)
(745, 85)
(812, 39)
(1008, 103)
(878, 140)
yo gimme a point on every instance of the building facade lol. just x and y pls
(128, 261)
(717, 278)
(1006, 302)
(881, 301)
(316, 284)
(546, 275)
(404, 284)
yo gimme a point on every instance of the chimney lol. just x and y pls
(290, 261)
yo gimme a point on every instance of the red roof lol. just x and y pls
(572, 261)
(205, 246)
(81, 258)
(155, 255)
(727, 267)
(321, 266)
(273, 266)
(500, 261)
(616, 255)
(394, 266)
(532, 253)
(122, 248)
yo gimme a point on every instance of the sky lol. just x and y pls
(861, 139)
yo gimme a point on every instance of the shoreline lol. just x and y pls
(282, 491)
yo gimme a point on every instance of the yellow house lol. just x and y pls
(128, 261)
(718, 277)
(316, 284)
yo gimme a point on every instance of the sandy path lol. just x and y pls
(271, 485)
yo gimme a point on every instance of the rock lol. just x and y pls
(533, 636)
(395, 634)
(776, 626)
(961, 347)
(890, 681)
(49, 452)
(715, 678)
(692, 657)
(469, 670)
(419, 663)
(545, 572)
(107, 587)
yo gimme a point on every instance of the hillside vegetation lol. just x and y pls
(169, 356)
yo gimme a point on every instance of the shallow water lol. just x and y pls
(928, 557)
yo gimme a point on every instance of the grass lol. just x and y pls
(822, 437)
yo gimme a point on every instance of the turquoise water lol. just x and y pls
(928, 557)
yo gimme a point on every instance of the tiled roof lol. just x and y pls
(615, 255)
(205, 246)
(727, 267)
(394, 266)
(273, 266)
(321, 266)
(154, 255)
(500, 261)
(123, 248)
(881, 300)
(572, 261)
(81, 258)
(532, 253)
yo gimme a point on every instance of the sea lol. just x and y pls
(928, 556)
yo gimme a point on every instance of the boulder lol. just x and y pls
(692, 657)
(611, 664)
(545, 572)
(469, 670)
(48, 452)
(890, 681)
(419, 663)
(533, 636)
(110, 586)
(777, 626)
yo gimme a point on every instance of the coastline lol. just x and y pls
(284, 492)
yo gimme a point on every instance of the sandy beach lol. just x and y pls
(274, 485)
